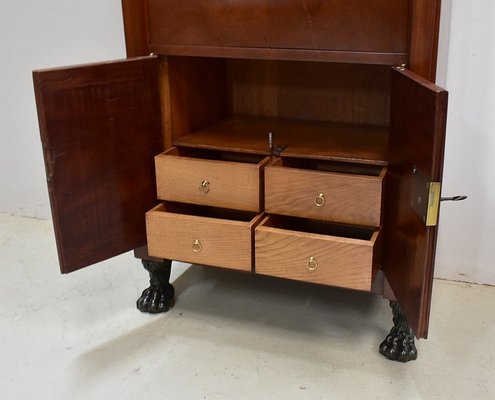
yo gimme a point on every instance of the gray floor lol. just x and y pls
(229, 336)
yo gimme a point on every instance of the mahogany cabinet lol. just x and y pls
(297, 139)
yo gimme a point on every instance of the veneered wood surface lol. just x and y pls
(356, 143)
(350, 199)
(198, 95)
(423, 46)
(417, 136)
(224, 242)
(136, 27)
(340, 26)
(100, 129)
(310, 91)
(233, 185)
(341, 261)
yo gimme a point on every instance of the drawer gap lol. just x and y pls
(319, 227)
(330, 166)
(206, 211)
(216, 155)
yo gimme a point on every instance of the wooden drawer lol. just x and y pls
(201, 235)
(346, 193)
(317, 252)
(211, 178)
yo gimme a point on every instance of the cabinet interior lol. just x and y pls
(319, 110)
(318, 227)
(206, 211)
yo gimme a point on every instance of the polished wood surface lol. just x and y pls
(99, 164)
(417, 135)
(135, 16)
(197, 90)
(346, 198)
(423, 46)
(310, 91)
(320, 140)
(225, 237)
(178, 27)
(235, 185)
(284, 251)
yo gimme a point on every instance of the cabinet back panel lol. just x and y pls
(310, 91)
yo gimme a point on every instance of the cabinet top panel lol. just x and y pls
(362, 30)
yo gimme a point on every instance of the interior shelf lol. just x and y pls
(335, 141)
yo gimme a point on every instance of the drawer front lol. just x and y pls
(327, 196)
(199, 240)
(340, 25)
(334, 261)
(226, 184)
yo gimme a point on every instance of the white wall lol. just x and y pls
(46, 33)
(42, 34)
(466, 247)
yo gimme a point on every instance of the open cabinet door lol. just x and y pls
(100, 128)
(417, 136)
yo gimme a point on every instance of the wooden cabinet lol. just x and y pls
(309, 133)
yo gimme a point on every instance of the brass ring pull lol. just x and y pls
(311, 264)
(197, 246)
(204, 187)
(320, 200)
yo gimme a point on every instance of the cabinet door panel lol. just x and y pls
(100, 128)
(417, 136)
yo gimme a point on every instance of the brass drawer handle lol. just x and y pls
(311, 264)
(204, 187)
(320, 200)
(197, 246)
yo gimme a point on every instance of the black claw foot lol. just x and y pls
(159, 296)
(399, 343)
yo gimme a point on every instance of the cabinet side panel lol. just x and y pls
(100, 129)
(136, 27)
(425, 22)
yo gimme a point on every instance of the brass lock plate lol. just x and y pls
(425, 197)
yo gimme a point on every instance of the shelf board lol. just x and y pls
(350, 57)
(335, 141)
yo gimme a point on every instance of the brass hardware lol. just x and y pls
(197, 246)
(433, 203)
(311, 264)
(402, 67)
(320, 200)
(204, 187)
(425, 197)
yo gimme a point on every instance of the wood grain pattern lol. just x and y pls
(310, 91)
(198, 95)
(99, 164)
(342, 26)
(349, 198)
(136, 27)
(320, 140)
(253, 87)
(418, 121)
(224, 242)
(233, 185)
(423, 42)
(341, 261)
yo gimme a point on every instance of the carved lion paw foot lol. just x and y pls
(156, 299)
(399, 345)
